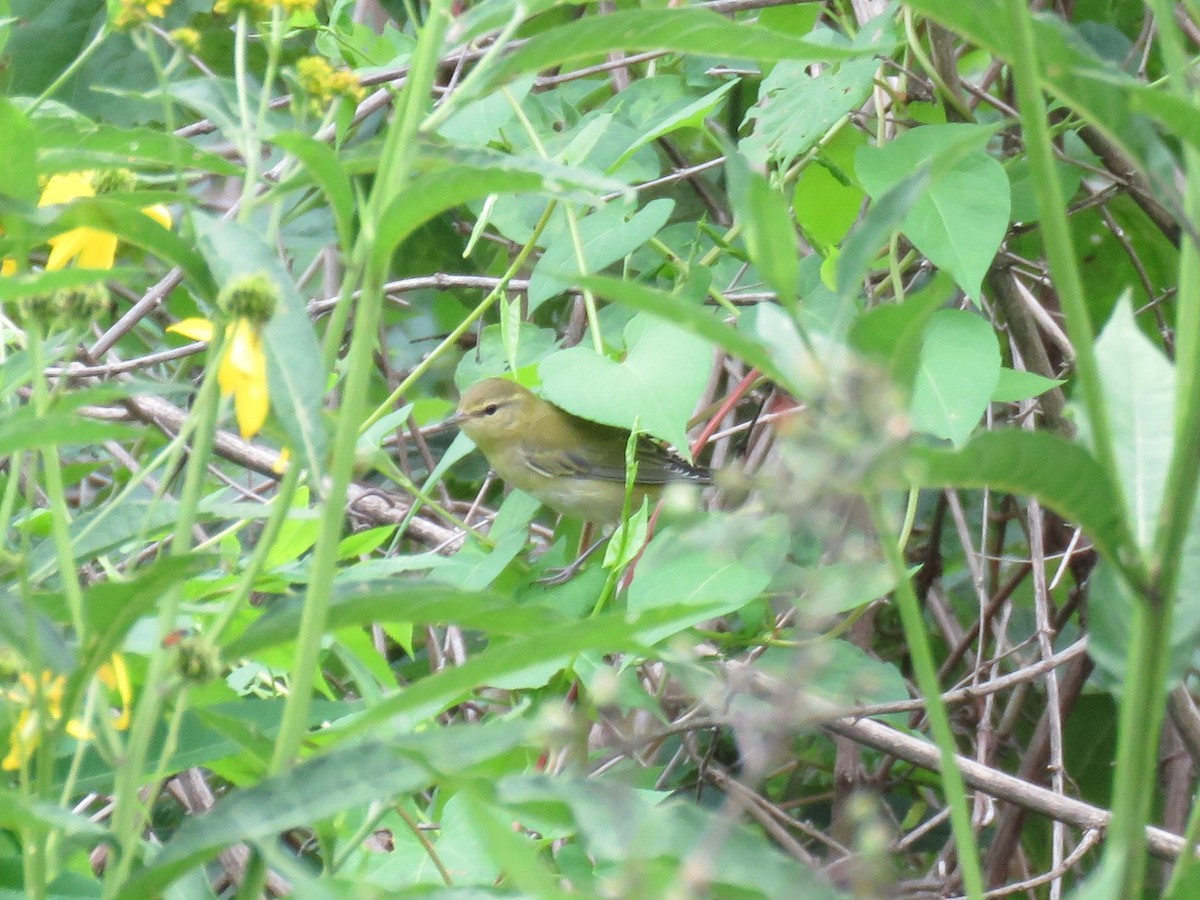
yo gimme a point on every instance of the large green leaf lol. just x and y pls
(321, 164)
(553, 643)
(459, 178)
(958, 372)
(1061, 474)
(395, 600)
(687, 314)
(297, 383)
(959, 221)
(655, 386)
(605, 237)
(1139, 397)
(18, 154)
(75, 144)
(724, 561)
(680, 30)
(331, 783)
(796, 108)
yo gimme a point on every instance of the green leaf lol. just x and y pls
(38, 639)
(1139, 396)
(25, 429)
(1111, 622)
(691, 115)
(723, 562)
(825, 205)
(554, 643)
(331, 783)
(845, 675)
(686, 314)
(796, 109)
(18, 154)
(33, 284)
(961, 219)
(394, 600)
(606, 238)
(959, 370)
(625, 827)
(109, 526)
(297, 383)
(1015, 385)
(475, 177)
(321, 164)
(655, 387)
(883, 219)
(1061, 474)
(768, 227)
(75, 144)
(894, 332)
(680, 30)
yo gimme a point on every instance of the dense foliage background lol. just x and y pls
(919, 279)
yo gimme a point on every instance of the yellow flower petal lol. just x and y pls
(66, 187)
(243, 373)
(159, 214)
(195, 328)
(7, 267)
(115, 676)
(22, 742)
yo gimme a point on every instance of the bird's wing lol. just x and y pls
(656, 464)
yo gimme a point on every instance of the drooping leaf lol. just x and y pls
(958, 372)
(655, 387)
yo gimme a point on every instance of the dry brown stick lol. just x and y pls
(196, 796)
(1006, 787)
(1033, 766)
(378, 506)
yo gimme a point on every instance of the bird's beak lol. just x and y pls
(457, 419)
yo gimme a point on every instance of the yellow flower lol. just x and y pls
(187, 38)
(293, 6)
(243, 369)
(115, 677)
(255, 8)
(38, 697)
(323, 83)
(135, 12)
(90, 248)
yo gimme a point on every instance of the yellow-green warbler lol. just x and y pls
(573, 465)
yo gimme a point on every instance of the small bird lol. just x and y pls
(573, 465)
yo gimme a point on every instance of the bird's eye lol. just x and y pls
(490, 409)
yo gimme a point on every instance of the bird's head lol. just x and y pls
(496, 411)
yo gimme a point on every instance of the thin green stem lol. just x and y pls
(927, 680)
(128, 811)
(396, 163)
(248, 140)
(60, 517)
(281, 506)
(1056, 231)
(1143, 699)
(76, 64)
(466, 324)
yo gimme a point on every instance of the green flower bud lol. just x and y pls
(114, 181)
(197, 660)
(250, 297)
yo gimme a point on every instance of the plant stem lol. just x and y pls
(927, 680)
